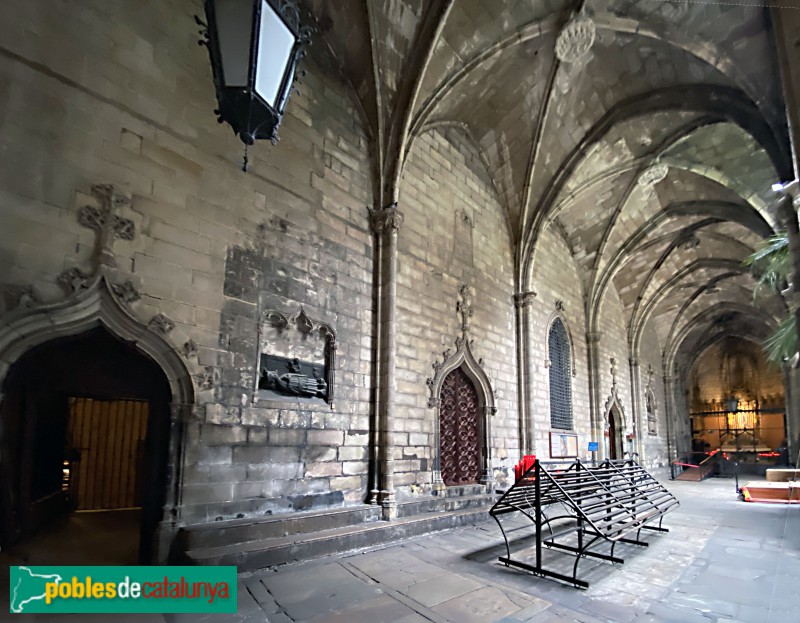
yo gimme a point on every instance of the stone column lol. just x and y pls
(522, 303)
(786, 22)
(790, 397)
(374, 474)
(670, 409)
(386, 224)
(636, 407)
(595, 398)
(787, 215)
(488, 473)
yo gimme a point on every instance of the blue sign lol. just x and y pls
(592, 446)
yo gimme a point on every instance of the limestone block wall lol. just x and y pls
(214, 246)
(654, 446)
(454, 232)
(614, 344)
(555, 278)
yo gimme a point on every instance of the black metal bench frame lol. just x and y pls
(603, 502)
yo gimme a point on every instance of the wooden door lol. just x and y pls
(613, 434)
(107, 439)
(459, 430)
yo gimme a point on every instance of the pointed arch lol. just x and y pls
(560, 361)
(464, 360)
(616, 427)
(95, 303)
(89, 307)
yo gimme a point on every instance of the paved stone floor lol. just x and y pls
(723, 560)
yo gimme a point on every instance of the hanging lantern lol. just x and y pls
(731, 403)
(254, 46)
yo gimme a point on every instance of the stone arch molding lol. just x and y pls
(463, 358)
(612, 401)
(559, 314)
(94, 302)
(94, 299)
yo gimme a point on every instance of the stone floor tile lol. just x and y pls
(705, 570)
(397, 569)
(485, 604)
(438, 590)
(381, 609)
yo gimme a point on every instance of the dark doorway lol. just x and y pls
(614, 434)
(459, 430)
(85, 429)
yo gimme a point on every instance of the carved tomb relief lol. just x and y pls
(295, 358)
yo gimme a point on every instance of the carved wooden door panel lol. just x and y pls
(459, 430)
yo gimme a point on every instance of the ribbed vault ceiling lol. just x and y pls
(693, 87)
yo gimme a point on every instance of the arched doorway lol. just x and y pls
(85, 436)
(460, 435)
(615, 434)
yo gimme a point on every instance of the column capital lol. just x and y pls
(593, 337)
(388, 219)
(524, 299)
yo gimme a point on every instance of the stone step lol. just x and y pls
(409, 508)
(462, 490)
(214, 534)
(253, 555)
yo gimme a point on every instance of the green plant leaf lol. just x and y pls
(771, 263)
(782, 344)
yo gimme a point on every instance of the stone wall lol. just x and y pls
(555, 279)
(654, 446)
(454, 232)
(214, 247)
(614, 345)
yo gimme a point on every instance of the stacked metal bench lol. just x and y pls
(586, 505)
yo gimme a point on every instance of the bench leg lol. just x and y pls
(505, 538)
(575, 550)
(545, 573)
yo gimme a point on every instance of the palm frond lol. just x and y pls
(771, 263)
(775, 245)
(782, 344)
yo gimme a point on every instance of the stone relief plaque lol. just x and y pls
(295, 358)
(292, 377)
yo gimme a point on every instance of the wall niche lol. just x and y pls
(295, 358)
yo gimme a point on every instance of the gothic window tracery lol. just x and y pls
(558, 348)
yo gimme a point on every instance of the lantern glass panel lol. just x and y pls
(234, 27)
(275, 45)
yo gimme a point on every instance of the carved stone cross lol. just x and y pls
(107, 223)
(464, 306)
